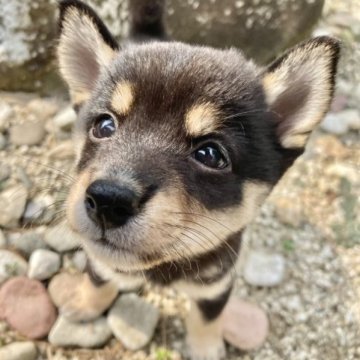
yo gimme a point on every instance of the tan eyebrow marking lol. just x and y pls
(202, 119)
(122, 98)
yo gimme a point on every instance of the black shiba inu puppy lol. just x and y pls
(178, 146)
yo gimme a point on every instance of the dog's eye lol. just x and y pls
(211, 156)
(104, 127)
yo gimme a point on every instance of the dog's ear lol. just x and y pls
(85, 48)
(299, 88)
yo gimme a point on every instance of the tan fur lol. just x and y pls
(87, 300)
(309, 64)
(81, 44)
(188, 235)
(202, 119)
(122, 98)
(204, 339)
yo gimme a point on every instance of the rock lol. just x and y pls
(351, 117)
(26, 306)
(245, 325)
(262, 269)
(25, 350)
(85, 335)
(78, 299)
(65, 119)
(339, 103)
(11, 264)
(27, 133)
(35, 209)
(334, 125)
(25, 45)
(289, 212)
(5, 172)
(61, 238)
(6, 112)
(3, 241)
(341, 122)
(2, 142)
(42, 108)
(43, 264)
(77, 260)
(133, 321)
(27, 242)
(12, 205)
(262, 29)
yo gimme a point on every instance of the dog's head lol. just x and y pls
(179, 145)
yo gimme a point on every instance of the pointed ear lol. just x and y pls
(85, 48)
(299, 88)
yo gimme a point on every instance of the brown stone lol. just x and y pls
(26, 306)
(245, 325)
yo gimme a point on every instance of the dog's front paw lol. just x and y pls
(83, 301)
(206, 350)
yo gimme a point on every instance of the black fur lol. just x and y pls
(211, 309)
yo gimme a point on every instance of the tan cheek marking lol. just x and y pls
(76, 192)
(201, 120)
(237, 217)
(122, 98)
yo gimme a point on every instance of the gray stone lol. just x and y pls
(262, 269)
(2, 142)
(334, 125)
(35, 209)
(28, 133)
(65, 119)
(3, 241)
(11, 265)
(43, 264)
(79, 260)
(61, 238)
(351, 117)
(27, 242)
(133, 321)
(5, 172)
(85, 335)
(24, 350)
(341, 122)
(262, 28)
(27, 32)
(6, 112)
(12, 205)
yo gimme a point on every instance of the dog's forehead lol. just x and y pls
(180, 75)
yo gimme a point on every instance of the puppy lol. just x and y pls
(177, 148)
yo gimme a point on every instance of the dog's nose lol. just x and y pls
(110, 204)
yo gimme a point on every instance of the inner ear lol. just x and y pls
(299, 87)
(85, 48)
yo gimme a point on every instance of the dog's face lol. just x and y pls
(179, 145)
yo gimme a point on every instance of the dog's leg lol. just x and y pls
(204, 321)
(95, 293)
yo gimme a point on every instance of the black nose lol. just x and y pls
(110, 204)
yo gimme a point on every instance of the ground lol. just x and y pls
(312, 219)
